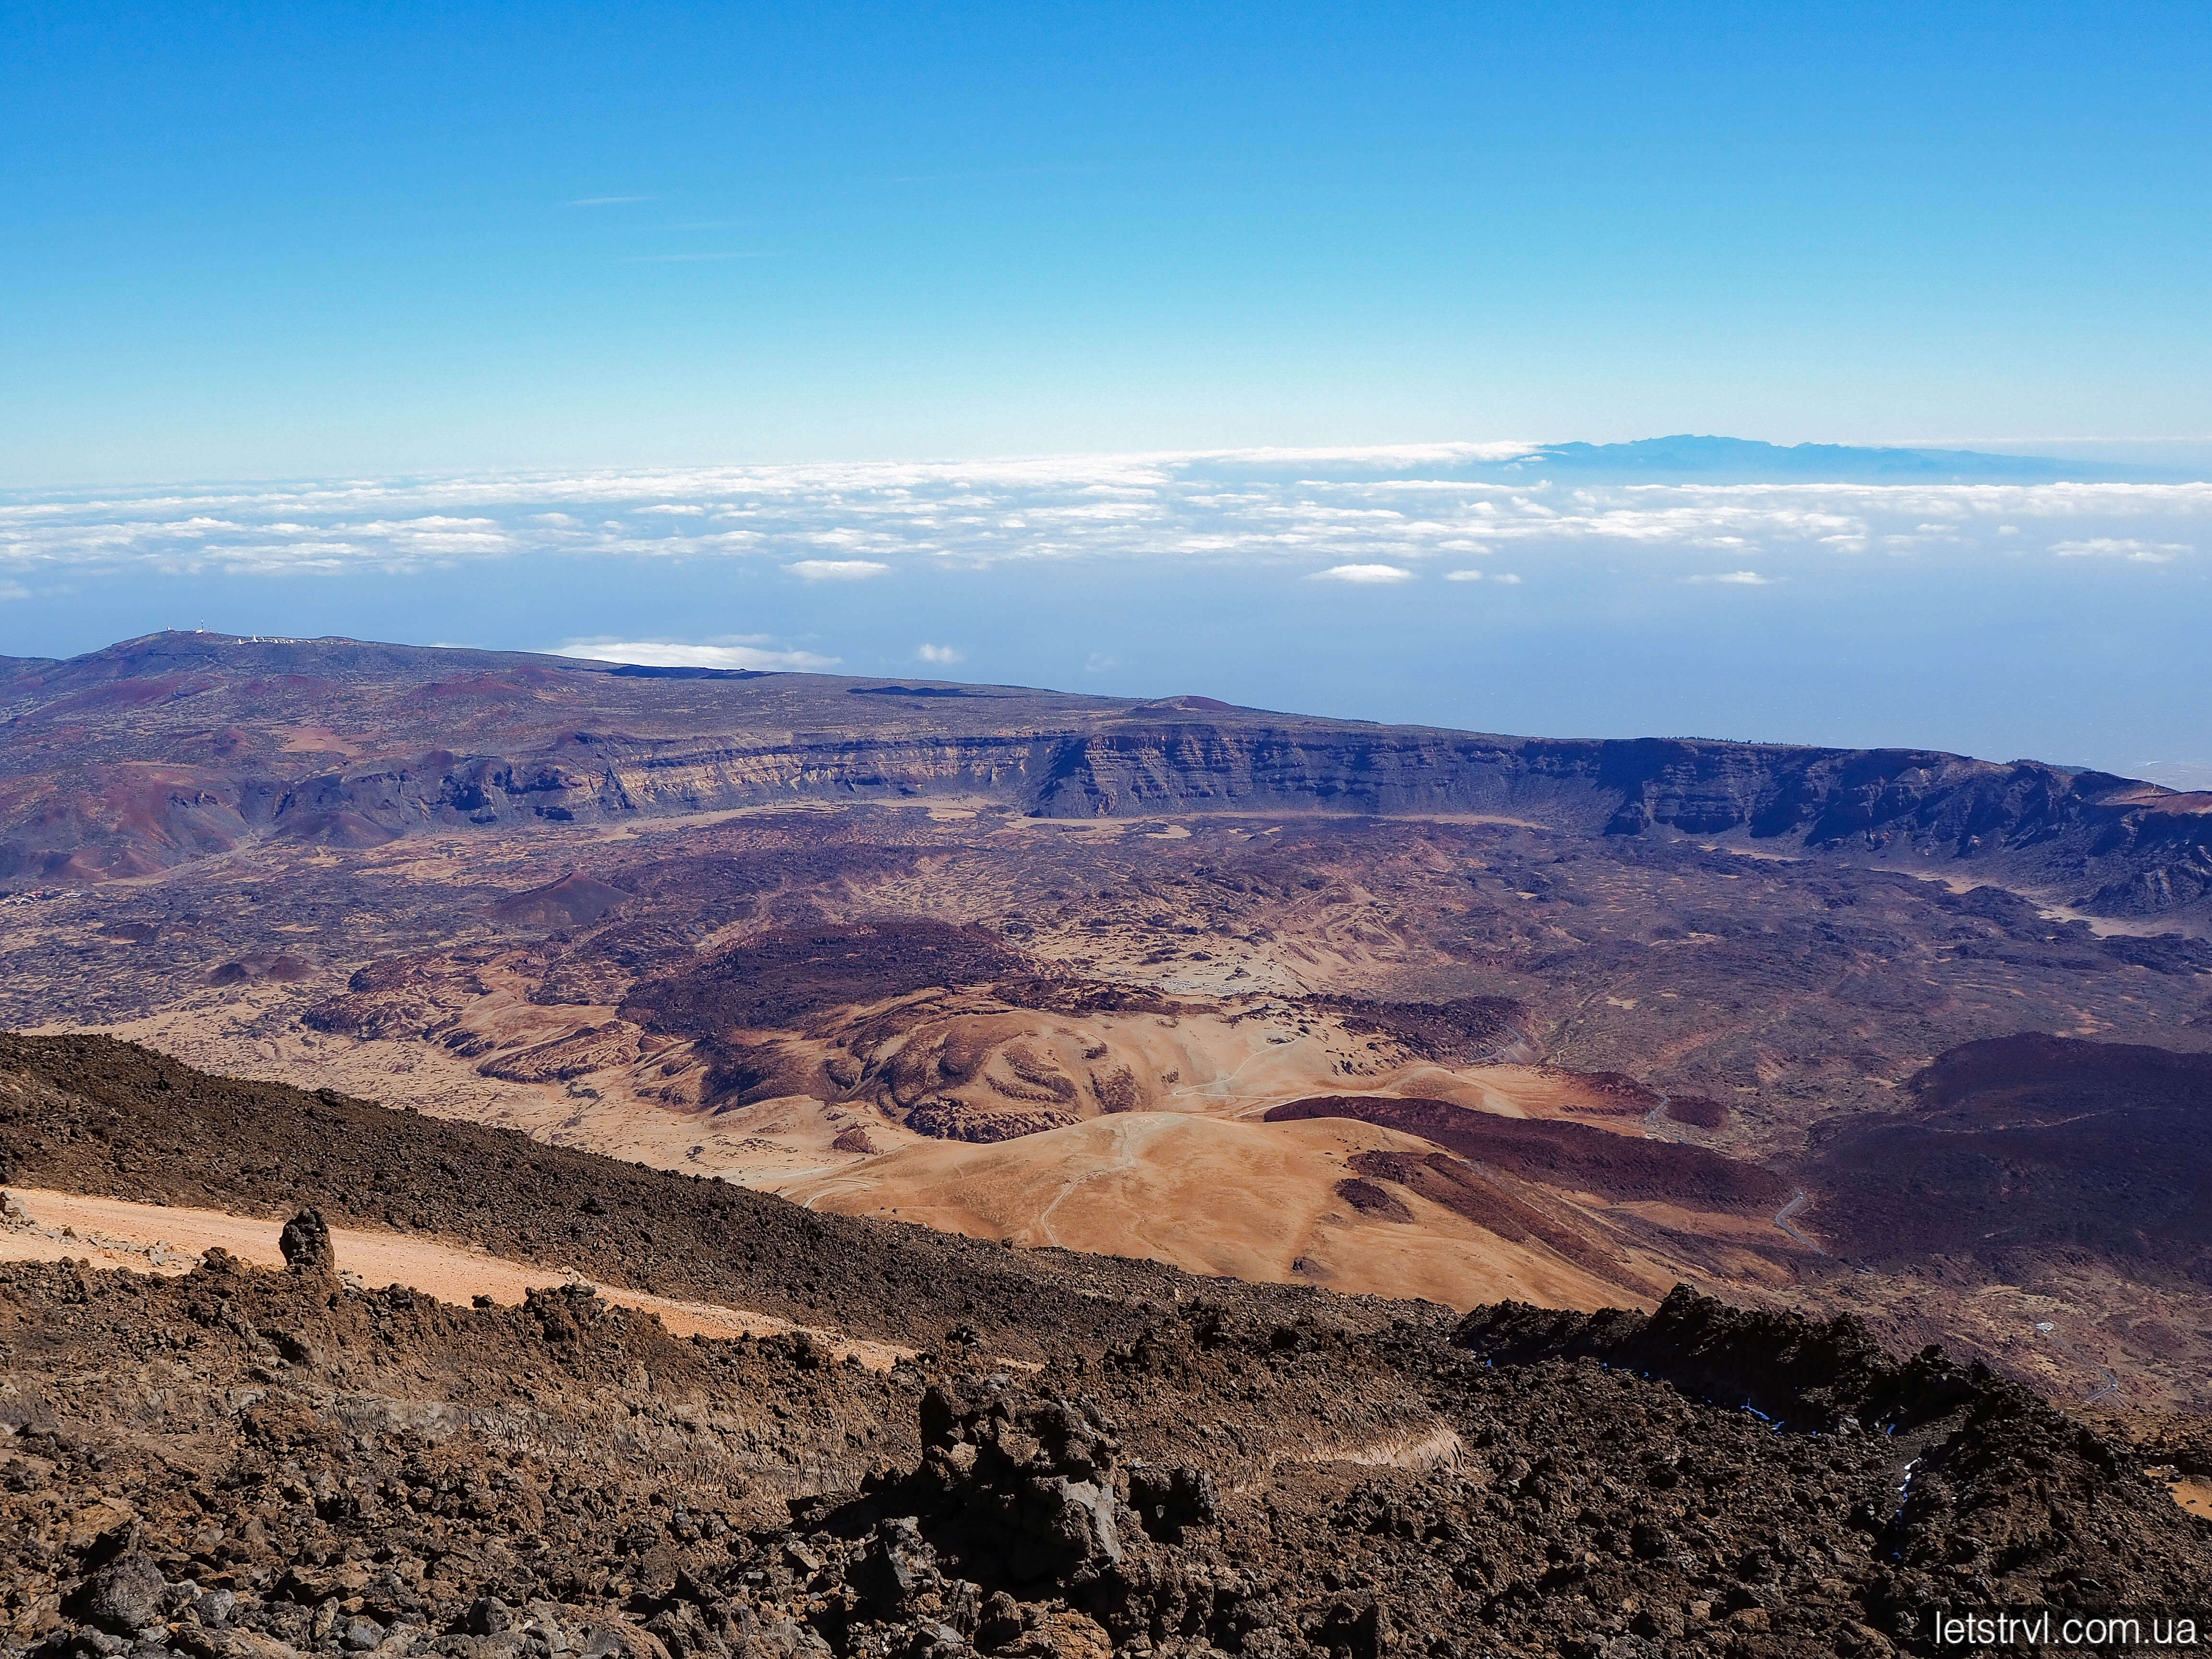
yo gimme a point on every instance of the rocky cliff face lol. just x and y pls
(2110, 845)
(141, 758)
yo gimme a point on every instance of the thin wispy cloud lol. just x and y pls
(1463, 575)
(2175, 775)
(1365, 574)
(942, 655)
(2116, 547)
(1734, 579)
(837, 570)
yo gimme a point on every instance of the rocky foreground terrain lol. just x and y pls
(1068, 1455)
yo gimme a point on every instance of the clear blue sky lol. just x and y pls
(265, 241)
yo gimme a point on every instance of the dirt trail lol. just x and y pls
(113, 1233)
(1655, 1130)
(1124, 1160)
(1798, 1202)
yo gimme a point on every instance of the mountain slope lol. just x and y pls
(225, 1462)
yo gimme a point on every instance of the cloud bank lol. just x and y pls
(1344, 515)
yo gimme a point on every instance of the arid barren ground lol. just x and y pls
(1062, 971)
(1095, 996)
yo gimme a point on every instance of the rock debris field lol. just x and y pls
(250, 1462)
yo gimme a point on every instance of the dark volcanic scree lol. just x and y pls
(242, 1461)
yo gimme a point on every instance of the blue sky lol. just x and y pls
(255, 241)
(692, 332)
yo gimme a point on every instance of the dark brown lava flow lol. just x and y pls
(1571, 1155)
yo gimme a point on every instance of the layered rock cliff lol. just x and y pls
(162, 750)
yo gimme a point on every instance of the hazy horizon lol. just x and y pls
(1432, 584)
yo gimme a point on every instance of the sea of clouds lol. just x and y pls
(1447, 583)
(1355, 516)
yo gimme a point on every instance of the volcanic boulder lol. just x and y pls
(307, 1248)
(125, 1595)
(1019, 1492)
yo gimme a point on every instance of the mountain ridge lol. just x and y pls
(1697, 457)
(1687, 455)
(158, 751)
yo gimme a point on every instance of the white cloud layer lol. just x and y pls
(1339, 513)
